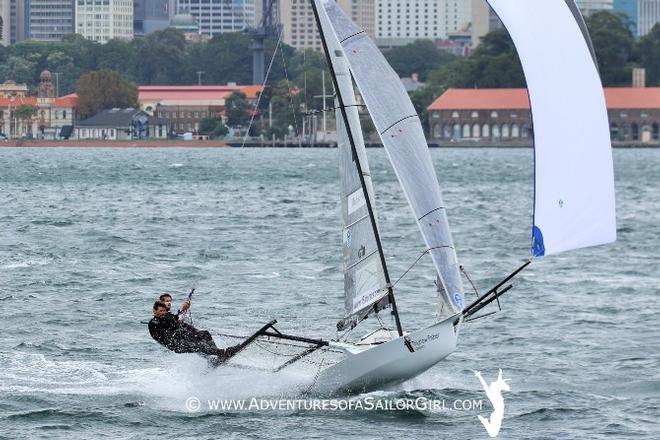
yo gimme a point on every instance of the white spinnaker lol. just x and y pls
(365, 282)
(400, 130)
(574, 179)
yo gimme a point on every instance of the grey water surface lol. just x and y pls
(89, 238)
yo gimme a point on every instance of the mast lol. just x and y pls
(351, 140)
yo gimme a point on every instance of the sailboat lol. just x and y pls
(573, 200)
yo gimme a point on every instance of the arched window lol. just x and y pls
(524, 131)
(457, 131)
(493, 114)
(447, 131)
(454, 115)
(485, 130)
(496, 131)
(634, 131)
(614, 131)
(655, 131)
(474, 114)
(476, 131)
(466, 130)
(505, 131)
(515, 131)
(437, 131)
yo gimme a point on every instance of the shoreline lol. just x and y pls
(179, 143)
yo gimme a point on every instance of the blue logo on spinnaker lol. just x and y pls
(348, 238)
(458, 300)
(538, 248)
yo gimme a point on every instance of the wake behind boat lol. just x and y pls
(573, 199)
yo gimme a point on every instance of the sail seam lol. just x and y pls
(397, 122)
(433, 210)
(351, 36)
(360, 261)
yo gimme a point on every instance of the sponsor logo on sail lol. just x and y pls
(356, 201)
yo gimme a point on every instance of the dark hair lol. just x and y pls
(158, 304)
(165, 295)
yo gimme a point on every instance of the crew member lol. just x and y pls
(181, 337)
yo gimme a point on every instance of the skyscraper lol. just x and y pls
(47, 20)
(151, 15)
(648, 15)
(219, 16)
(403, 21)
(588, 7)
(5, 20)
(104, 20)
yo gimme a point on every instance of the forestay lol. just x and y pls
(365, 281)
(574, 179)
(401, 133)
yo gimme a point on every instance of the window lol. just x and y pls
(454, 115)
(515, 131)
(493, 114)
(476, 131)
(466, 130)
(474, 114)
(505, 131)
(485, 130)
(634, 131)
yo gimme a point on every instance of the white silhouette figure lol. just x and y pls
(494, 394)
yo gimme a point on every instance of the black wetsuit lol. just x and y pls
(181, 337)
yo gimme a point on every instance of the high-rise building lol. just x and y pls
(402, 21)
(104, 20)
(362, 12)
(588, 7)
(17, 20)
(219, 16)
(5, 22)
(643, 14)
(151, 15)
(648, 15)
(45, 20)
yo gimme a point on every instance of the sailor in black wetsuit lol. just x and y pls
(180, 337)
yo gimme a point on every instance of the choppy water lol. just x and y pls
(89, 237)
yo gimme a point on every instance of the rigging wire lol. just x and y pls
(476, 292)
(288, 83)
(263, 86)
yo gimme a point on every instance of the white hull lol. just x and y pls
(373, 366)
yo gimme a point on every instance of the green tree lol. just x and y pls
(614, 46)
(161, 57)
(212, 127)
(238, 110)
(649, 49)
(494, 63)
(104, 89)
(418, 57)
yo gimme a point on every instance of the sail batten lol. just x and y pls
(402, 135)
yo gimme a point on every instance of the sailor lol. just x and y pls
(180, 337)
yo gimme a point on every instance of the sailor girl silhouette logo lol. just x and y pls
(494, 394)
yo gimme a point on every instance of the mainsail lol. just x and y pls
(401, 132)
(574, 179)
(366, 282)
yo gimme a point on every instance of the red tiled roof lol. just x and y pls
(510, 99)
(194, 93)
(15, 102)
(66, 101)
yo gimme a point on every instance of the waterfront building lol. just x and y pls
(103, 21)
(121, 124)
(502, 116)
(183, 107)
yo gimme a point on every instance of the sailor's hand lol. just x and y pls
(185, 306)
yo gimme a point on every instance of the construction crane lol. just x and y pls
(268, 27)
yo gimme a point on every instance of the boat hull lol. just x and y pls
(391, 362)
